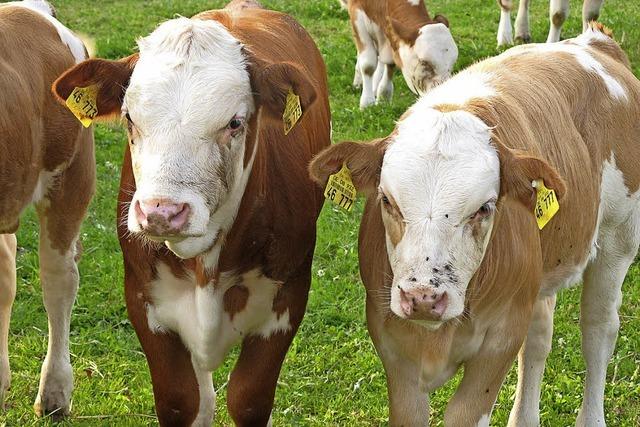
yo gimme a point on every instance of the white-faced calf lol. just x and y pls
(399, 33)
(46, 159)
(217, 221)
(558, 13)
(456, 270)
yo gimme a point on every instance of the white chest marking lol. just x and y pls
(197, 313)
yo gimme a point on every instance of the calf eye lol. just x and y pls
(235, 124)
(485, 210)
(385, 200)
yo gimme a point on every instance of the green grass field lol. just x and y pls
(332, 375)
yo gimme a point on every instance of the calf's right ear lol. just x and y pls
(111, 77)
(364, 160)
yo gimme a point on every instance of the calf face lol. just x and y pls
(438, 200)
(189, 100)
(428, 57)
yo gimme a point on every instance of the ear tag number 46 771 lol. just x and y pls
(546, 203)
(340, 189)
(83, 105)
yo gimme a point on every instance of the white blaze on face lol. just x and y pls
(188, 87)
(441, 172)
(431, 58)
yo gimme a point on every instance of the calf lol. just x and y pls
(558, 13)
(457, 272)
(398, 32)
(46, 160)
(217, 218)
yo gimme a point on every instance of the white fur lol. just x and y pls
(484, 421)
(438, 165)
(467, 85)
(74, 44)
(413, 2)
(197, 313)
(434, 46)
(582, 54)
(7, 296)
(375, 43)
(207, 406)
(46, 179)
(59, 279)
(189, 82)
(505, 33)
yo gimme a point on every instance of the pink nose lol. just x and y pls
(423, 303)
(161, 217)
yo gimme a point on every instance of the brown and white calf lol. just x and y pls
(46, 159)
(217, 225)
(456, 271)
(390, 33)
(558, 13)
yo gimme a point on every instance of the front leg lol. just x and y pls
(408, 398)
(7, 295)
(484, 373)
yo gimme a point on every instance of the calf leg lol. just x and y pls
(408, 397)
(599, 321)
(590, 11)
(357, 77)
(7, 295)
(523, 35)
(505, 33)
(484, 373)
(385, 85)
(531, 361)
(367, 61)
(252, 384)
(558, 13)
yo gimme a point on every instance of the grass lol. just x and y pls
(332, 375)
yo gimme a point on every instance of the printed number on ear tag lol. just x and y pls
(83, 105)
(292, 112)
(340, 189)
(546, 203)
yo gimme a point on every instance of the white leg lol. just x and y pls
(558, 13)
(505, 33)
(207, 409)
(385, 86)
(357, 77)
(531, 361)
(599, 321)
(7, 295)
(377, 75)
(59, 278)
(523, 35)
(367, 60)
(590, 11)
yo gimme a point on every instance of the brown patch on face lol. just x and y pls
(392, 218)
(235, 300)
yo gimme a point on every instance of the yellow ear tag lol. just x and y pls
(340, 189)
(546, 203)
(83, 105)
(292, 111)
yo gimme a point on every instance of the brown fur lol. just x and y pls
(553, 120)
(274, 230)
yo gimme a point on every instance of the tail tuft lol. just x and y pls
(600, 28)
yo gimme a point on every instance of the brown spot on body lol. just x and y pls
(235, 299)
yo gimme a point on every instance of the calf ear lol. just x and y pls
(442, 20)
(272, 82)
(111, 77)
(517, 172)
(364, 160)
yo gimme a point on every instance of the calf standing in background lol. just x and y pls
(456, 270)
(218, 218)
(46, 158)
(391, 33)
(558, 13)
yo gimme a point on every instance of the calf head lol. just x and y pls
(438, 179)
(191, 101)
(427, 55)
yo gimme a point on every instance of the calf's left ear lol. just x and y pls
(272, 82)
(517, 172)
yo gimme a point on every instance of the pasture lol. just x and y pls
(332, 375)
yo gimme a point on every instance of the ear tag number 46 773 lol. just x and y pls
(83, 105)
(340, 189)
(546, 203)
